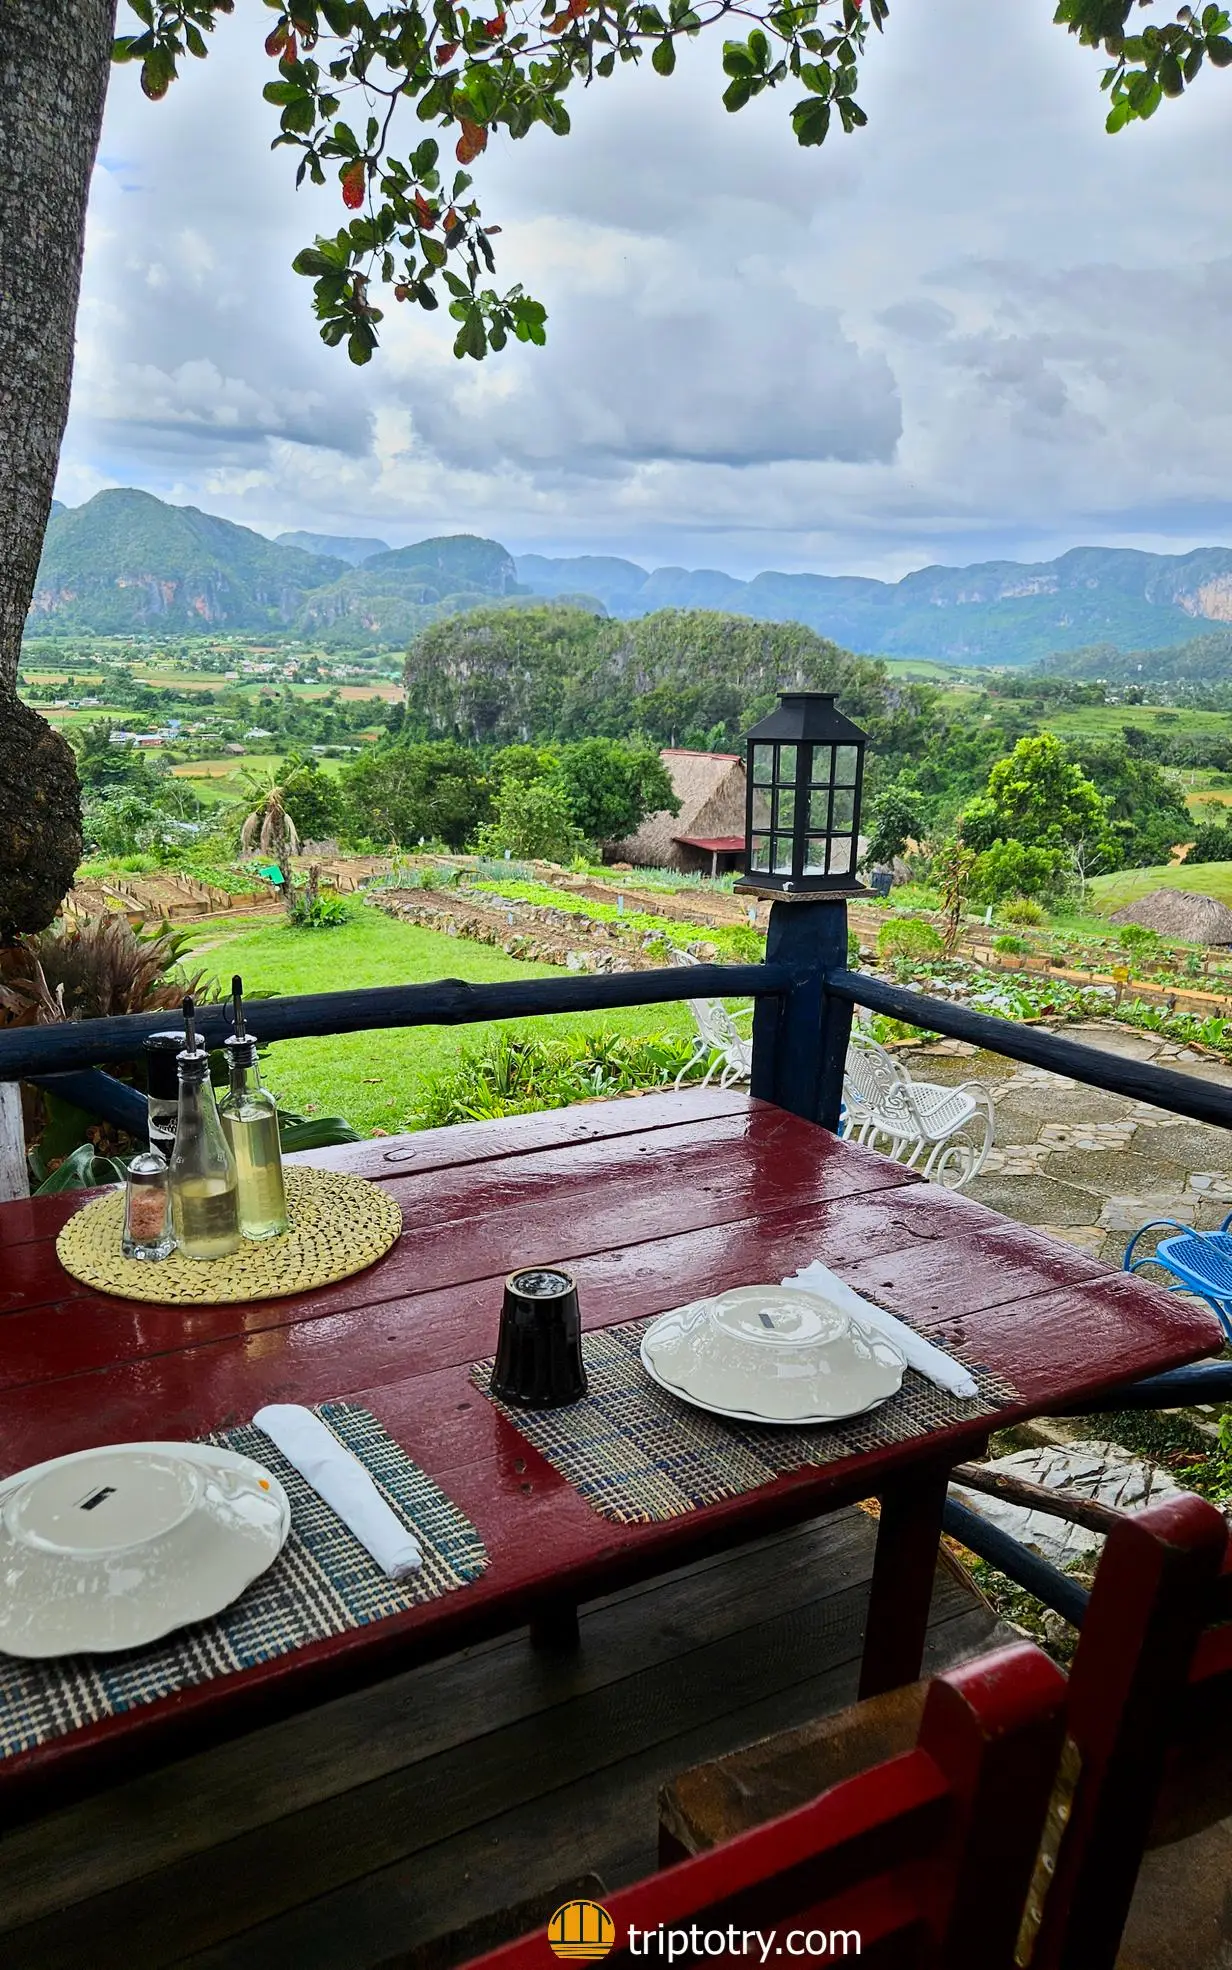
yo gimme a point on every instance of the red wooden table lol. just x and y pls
(651, 1202)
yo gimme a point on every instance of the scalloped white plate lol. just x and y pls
(772, 1354)
(112, 1548)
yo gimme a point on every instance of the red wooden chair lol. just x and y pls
(1148, 1752)
(926, 1857)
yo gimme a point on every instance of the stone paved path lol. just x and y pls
(1090, 1167)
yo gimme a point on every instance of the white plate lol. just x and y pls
(112, 1548)
(772, 1354)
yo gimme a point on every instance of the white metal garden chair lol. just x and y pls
(944, 1132)
(718, 1039)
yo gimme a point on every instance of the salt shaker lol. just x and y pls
(147, 1208)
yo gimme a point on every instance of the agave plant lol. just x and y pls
(99, 969)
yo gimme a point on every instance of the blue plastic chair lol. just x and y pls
(1199, 1261)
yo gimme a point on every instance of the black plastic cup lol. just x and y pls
(539, 1350)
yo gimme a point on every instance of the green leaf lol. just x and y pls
(737, 93)
(736, 59)
(310, 260)
(1219, 51)
(663, 60)
(811, 121)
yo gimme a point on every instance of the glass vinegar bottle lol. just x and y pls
(250, 1117)
(204, 1187)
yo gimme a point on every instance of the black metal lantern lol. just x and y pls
(805, 768)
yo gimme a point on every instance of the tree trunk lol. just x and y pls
(55, 58)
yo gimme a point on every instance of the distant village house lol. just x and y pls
(707, 836)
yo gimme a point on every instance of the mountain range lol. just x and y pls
(127, 562)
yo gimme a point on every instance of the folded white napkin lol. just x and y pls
(343, 1483)
(939, 1368)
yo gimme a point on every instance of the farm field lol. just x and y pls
(1108, 721)
(374, 1079)
(216, 781)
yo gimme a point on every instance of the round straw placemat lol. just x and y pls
(339, 1225)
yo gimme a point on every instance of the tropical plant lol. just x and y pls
(609, 787)
(1138, 939)
(268, 827)
(514, 1073)
(98, 969)
(895, 816)
(532, 818)
(909, 937)
(1009, 869)
(409, 793)
(1024, 910)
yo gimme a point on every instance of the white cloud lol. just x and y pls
(981, 327)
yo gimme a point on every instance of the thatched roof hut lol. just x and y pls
(708, 833)
(1180, 913)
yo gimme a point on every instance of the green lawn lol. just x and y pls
(373, 1078)
(1107, 893)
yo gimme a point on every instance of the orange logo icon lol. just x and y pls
(581, 1932)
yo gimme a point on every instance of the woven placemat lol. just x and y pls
(638, 1454)
(339, 1225)
(322, 1583)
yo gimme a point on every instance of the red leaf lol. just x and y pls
(474, 139)
(446, 52)
(495, 27)
(277, 41)
(402, 292)
(353, 183)
(427, 217)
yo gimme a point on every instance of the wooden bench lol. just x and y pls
(925, 1857)
(1147, 1760)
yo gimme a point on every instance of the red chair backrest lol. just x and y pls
(925, 1858)
(1150, 1687)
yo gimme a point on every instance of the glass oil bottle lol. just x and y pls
(250, 1117)
(204, 1186)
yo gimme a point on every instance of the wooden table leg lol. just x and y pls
(906, 1560)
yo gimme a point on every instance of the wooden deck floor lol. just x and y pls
(351, 1838)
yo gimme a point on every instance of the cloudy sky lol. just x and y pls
(978, 328)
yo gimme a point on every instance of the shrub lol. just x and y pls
(533, 819)
(853, 950)
(1010, 945)
(1135, 937)
(909, 937)
(320, 913)
(515, 1073)
(1024, 910)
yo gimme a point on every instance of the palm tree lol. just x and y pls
(269, 827)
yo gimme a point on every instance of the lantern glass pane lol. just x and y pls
(782, 855)
(844, 813)
(815, 855)
(845, 758)
(787, 766)
(819, 810)
(761, 853)
(823, 765)
(787, 811)
(763, 766)
(841, 855)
